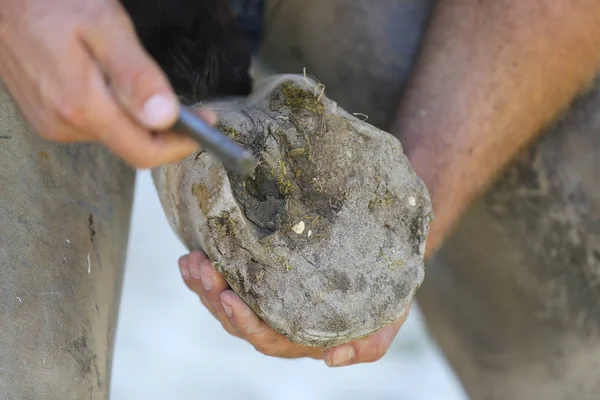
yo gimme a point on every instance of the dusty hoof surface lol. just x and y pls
(325, 241)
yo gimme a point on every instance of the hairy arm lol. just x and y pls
(491, 76)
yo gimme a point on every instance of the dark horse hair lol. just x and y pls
(197, 43)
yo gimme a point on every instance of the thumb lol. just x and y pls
(136, 79)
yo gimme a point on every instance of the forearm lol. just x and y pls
(490, 76)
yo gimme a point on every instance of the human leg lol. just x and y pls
(64, 224)
(507, 295)
(363, 53)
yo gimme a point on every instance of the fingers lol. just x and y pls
(57, 62)
(135, 77)
(200, 277)
(235, 315)
(369, 349)
(239, 319)
(264, 338)
(107, 122)
(141, 98)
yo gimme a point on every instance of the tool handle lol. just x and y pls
(232, 155)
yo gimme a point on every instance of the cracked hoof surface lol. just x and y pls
(325, 241)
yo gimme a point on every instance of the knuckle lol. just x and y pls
(52, 133)
(244, 328)
(48, 129)
(252, 329)
(71, 109)
(269, 347)
(141, 79)
(265, 349)
(378, 351)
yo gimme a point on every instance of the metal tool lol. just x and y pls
(232, 155)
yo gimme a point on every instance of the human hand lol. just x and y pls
(240, 321)
(78, 72)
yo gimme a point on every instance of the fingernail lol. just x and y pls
(159, 111)
(208, 115)
(341, 356)
(227, 308)
(185, 271)
(207, 281)
(195, 271)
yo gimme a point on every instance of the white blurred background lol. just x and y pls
(169, 347)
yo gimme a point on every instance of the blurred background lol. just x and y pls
(169, 347)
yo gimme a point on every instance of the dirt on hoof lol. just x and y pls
(325, 241)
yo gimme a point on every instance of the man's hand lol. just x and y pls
(78, 73)
(240, 321)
